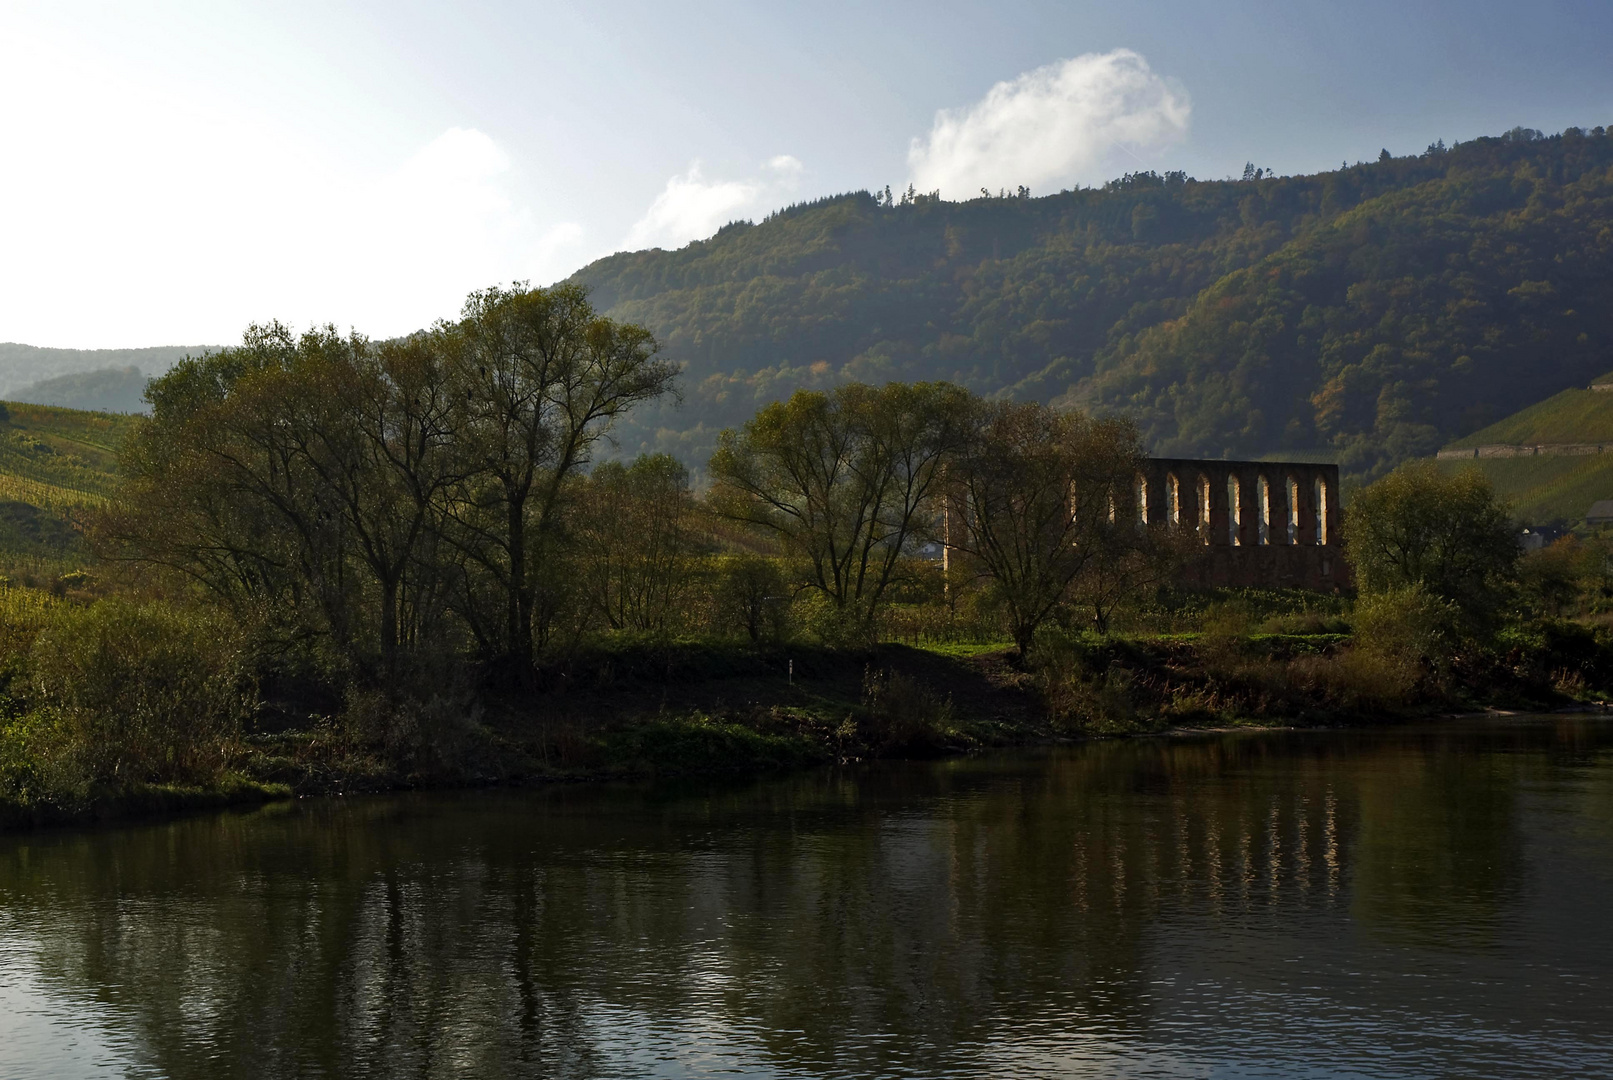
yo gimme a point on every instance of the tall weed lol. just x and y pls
(140, 693)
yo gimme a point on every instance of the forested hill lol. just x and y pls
(1371, 314)
(24, 365)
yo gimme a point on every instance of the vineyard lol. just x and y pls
(55, 465)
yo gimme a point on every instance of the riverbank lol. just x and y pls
(641, 709)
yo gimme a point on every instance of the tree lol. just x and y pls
(1036, 500)
(633, 540)
(751, 593)
(543, 377)
(844, 480)
(298, 472)
(1446, 532)
(1130, 558)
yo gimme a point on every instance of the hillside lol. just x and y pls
(118, 389)
(1370, 314)
(53, 463)
(22, 365)
(1547, 487)
(1579, 415)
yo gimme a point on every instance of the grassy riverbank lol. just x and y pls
(640, 708)
(195, 715)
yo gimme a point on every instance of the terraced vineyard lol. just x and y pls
(54, 465)
(1547, 486)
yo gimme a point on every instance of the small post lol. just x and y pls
(792, 672)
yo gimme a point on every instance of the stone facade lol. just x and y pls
(1271, 524)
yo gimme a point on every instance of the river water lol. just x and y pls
(1406, 902)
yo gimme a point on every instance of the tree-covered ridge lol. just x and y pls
(24, 365)
(1373, 313)
(113, 389)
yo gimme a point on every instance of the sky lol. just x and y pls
(172, 172)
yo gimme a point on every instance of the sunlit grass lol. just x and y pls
(47, 496)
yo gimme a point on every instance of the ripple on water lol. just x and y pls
(1402, 903)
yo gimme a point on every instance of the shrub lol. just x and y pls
(437, 735)
(1357, 680)
(1085, 687)
(904, 714)
(137, 693)
(1449, 534)
(1410, 623)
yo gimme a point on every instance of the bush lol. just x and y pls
(1086, 686)
(1449, 534)
(437, 735)
(1357, 680)
(1410, 624)
(903, 714)
(139, 693)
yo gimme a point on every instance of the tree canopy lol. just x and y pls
(1446, 533)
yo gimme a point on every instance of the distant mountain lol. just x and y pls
(116, 390)
(1369, 314)
(24, 365)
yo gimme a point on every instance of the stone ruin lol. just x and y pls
(1266, 524)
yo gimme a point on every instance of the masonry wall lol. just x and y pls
(1268, 524)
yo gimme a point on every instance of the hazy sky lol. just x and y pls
(170, 172)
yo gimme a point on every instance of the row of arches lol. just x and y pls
(1242, 504)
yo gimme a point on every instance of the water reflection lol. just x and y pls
(1362, 903)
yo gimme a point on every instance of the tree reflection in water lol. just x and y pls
(1104, 904)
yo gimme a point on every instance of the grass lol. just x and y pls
(95, 436)
(1573, 416)
(697, 743)
(1545, 489)
(54, 464)
(24, 607)
(965, 649)
(145, 800)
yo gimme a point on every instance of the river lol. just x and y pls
(1398, 902)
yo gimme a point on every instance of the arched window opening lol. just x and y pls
(1141, 494)
(1322, 523)
(1173, 500)
(1234, 511)
(1204, 507)
(1293, 510)
(1263, 524)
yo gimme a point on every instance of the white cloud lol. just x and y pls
(1053, 127)
(692, 207)
(187, 216)
(445, 222)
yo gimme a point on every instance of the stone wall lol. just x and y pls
(1270, 524)
(1509, 450)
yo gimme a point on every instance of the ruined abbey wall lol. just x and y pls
(1269, 524)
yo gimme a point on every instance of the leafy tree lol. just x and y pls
(634, 540)
(751, 592)
(1447, 533)
(300, 473)
(844, 480)
(1130, 558)
(1038, 500)
(368, 490)
(544, 377)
